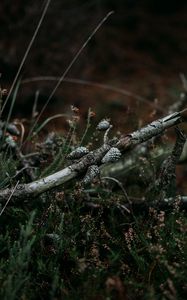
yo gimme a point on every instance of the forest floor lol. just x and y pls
(87, 243)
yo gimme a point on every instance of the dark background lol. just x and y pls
(141, 48)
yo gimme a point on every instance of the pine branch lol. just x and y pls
(94, 157)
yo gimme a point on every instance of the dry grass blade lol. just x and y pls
(47, 121)
(72, 63)
(26, 54)
(103, 86)
(9, 198)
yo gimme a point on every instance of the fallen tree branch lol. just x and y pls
(94, 157)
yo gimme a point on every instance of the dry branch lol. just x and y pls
(94, 157)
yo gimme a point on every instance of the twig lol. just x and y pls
(181, 103)
(184, 81)
(141, 203)
(171, 200)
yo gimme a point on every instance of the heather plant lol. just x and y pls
(73, 247)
